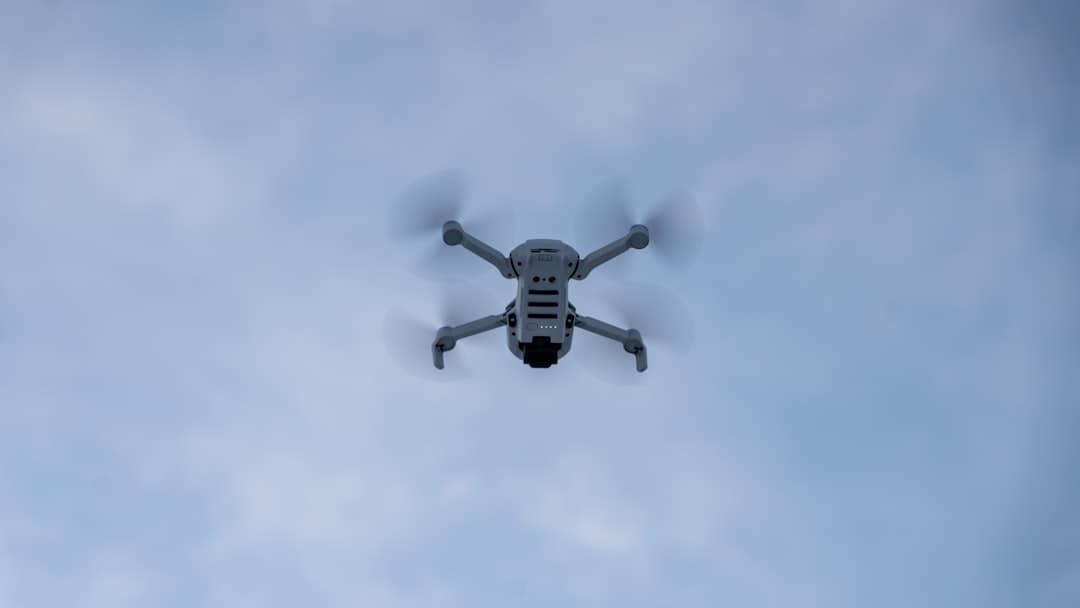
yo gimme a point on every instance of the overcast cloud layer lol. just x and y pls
(198, 407)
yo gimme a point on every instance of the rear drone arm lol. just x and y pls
(454, 234)
(636, 238)
(630, 338)
(446, 338)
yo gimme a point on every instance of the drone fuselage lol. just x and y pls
(540, 320)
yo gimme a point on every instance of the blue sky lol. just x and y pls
(199, 409)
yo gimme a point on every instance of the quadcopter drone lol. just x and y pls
(540, 321)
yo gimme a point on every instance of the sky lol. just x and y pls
(199, 405)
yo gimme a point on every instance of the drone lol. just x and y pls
(540, 320)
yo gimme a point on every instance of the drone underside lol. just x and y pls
(540, 321)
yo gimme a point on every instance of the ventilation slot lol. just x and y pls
(543, 304)
(543, 315)
(543, 292)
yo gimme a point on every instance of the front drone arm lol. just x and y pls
(636, 238)
(454, 234)
(630, 338)
(446, 338)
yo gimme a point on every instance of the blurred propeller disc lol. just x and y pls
(663, 319)
(408, 342)
(603, 216)
(676, 228)
(423, 208)
(408, 338)
(606, 360)
(661, 315)
(676, 223)
(420, 212)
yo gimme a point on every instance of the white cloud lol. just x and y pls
(120, 144)
(576, 509)
(239, 371)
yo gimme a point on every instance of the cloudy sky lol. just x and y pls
(198, 406)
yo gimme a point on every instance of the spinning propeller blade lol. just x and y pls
(408, 342)
(604, 215)
(662, 317)
(676, 228)
(408, 337)
(421, 211)
(423, 208)
(676, 223)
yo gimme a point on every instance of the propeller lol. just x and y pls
(408, 337)
(420, 212)
(662, 317)
(408, 342)
(676, 223)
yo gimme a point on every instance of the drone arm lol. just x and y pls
(454, 234)
(478, 326)
(630, 338)
(489, 253)
(636, 238)
(447, 337)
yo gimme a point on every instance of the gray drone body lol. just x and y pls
(540, 321)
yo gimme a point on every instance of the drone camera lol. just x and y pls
(541, 352)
